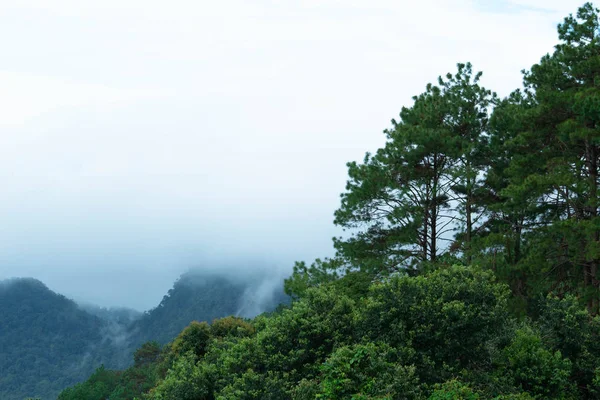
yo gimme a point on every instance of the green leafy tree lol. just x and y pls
(98, 387)
(567, 327)
(318, 273)
(451, 318)
(231, 326)
(454, 390)
(368, 371)
(186, 380)
(535, 369)
(195, 338)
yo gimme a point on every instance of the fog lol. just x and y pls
(141, 139)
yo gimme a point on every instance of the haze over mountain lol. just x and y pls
(212, 132)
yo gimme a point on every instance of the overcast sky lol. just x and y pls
(141, 138)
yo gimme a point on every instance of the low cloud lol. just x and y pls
(140, 139)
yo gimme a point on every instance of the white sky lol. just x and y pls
(140, 138)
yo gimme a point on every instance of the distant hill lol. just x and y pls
(198, 296)
(49, 342)
(46, 341)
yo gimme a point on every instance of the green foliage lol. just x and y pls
(568, 327)
(447, 334)
(151, 365)
(98, 387)
(231, 326)
(553, 174)
(454, 390)
(517, 396)
(318, 273)
(322, 320)
(184, 381)
(451, 318)
(194, 338)
(333, 272)
(535, 369)
(369, 371)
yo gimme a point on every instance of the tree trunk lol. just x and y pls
(426, 217)
(592, 164)
(434, 212)
(469, 231)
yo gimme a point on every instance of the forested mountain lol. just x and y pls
(469, 269)
(198, 296)
(48, 342)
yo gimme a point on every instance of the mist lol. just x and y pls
(140, 139)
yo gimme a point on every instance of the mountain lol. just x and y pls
(46, 341)
(49, 342)
(198, 296)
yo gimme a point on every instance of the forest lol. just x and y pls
(468, 268)
(49, 342)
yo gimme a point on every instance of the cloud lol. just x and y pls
(143, 137)
(556, 6)
(26, 97)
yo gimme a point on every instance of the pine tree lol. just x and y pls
(395, 199)
(559, 154)
(467, 122)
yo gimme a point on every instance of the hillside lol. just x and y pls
(48, 342)
(198, 296)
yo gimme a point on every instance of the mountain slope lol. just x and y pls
(46, 341)
(200, 296)
(49, 342)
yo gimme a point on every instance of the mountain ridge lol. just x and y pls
(49, 342)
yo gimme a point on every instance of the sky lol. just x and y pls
(139, 139)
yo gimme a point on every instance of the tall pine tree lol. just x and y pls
(558, 161)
